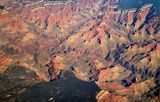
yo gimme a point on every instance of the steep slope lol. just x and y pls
(117, 49)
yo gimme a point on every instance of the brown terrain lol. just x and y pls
(119, 50)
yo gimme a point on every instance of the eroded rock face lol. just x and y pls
(119, 50)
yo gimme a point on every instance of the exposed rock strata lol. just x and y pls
(119, 50)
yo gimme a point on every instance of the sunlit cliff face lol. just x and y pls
(117, 49)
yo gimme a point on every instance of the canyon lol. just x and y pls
(119, 50)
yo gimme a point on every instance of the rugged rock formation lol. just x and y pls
(118, 49)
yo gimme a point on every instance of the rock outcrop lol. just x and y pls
(117, 49)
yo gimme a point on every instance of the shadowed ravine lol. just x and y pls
(66, 89)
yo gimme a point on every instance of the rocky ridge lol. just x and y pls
(118, 49)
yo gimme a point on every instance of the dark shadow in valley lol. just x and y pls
(18, 85)
(66, 89)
